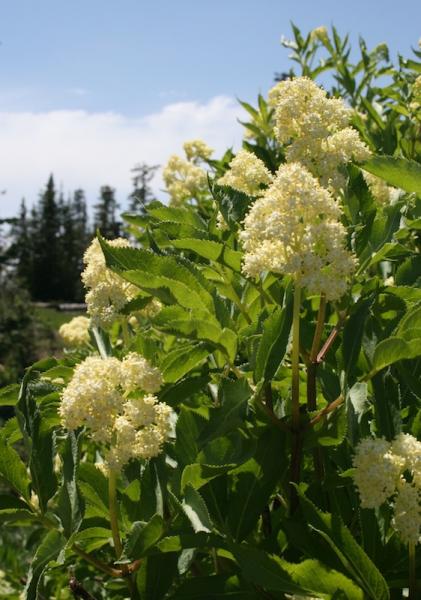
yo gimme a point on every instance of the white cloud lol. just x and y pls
(88, 150)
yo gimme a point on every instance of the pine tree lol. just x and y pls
(105, 213)
(46, 255)
(142, 192)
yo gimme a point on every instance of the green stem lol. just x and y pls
(312, 382)
(101, 566)
(125, 331)
(412, 573)
(112, 492)
(295, 388)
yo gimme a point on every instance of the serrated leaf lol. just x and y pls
(9, 395)
(394, 349)
(182, 360)
(398, 172)
(215, 587)
(47, 551)
(143, 536)
(234, 396)
(197, 475)
(308, 577)
(70, 501)
(177, 215)
(196, 511)
(355, 561)
(14, 509)
(152, 272)
(155, 576)
(253, 483)
(13, 470)
(274, 341)
(214, 251)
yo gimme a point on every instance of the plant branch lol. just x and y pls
(101, 566)
(78, 590)
(412, 572)
(112, 492)
(325, 411)
(295, 358)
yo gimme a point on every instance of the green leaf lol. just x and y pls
(198, 475)
(409, 272)
(47, 551)
(353, 558)
(410, 323)
(143, 536)
(93, 538)
(392, 350)
(38, 435)
(353, 335)
(273, 345)
(214, 251)
(13, 470)
(70, 502)
(253, 484)
(152, 272)
(94, 488)
(155, 576)
(215, 587)
(233, 396)
(9, 395)
(182, 360)
(309, 577)
(177, 215)
(196, 510)
(173, 320)
(14, 509)
(398, 172)
(152, 490)
(329, 431)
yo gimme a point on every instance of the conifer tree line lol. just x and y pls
(48, 241)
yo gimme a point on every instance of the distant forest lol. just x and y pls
(45, 244)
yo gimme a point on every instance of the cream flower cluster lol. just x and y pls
(107, 292)
(75, 332)
(247, 174)
(184, 179)
(97, 398)
(315, 129)
(294, 229)
(197, 150)
(381, 468)
(415, 104)
(379, 188)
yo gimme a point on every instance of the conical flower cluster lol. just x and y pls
(392, 471)
(294, 229)
(107, 292)
(247, 174)
(185, 179)
(315, 130)
(113, 400)
(75, 332)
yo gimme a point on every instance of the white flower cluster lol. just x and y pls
(107, 292)
(247, 174)
(184, 179)
(294, 228)
(381, 468)
(315, 130)
(75, 332)
(97, 398)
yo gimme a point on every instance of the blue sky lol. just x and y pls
(119, 68)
